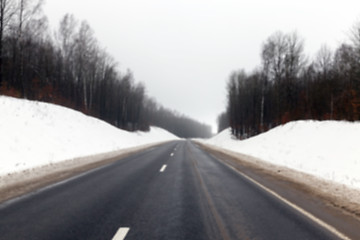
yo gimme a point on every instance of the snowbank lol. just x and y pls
(34, 134)
(326, 149)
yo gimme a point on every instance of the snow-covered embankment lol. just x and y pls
(35, 134)
(329, 150)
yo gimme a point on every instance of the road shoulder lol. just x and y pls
(333, 203)
(20, 183)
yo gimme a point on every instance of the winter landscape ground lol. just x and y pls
(36, 134)
(326, 149)
(322, 157)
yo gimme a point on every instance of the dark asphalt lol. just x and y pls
(196, 197)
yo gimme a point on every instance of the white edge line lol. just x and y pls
(163, 168)
(294, 206)
(121, 234)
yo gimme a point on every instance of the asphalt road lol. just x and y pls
(173, 191)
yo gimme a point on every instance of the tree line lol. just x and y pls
(175, 122)
(288, 86)
(70, 68)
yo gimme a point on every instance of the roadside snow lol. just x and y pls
(34, 134)
(326, 149)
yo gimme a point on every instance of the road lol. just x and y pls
(173, 191)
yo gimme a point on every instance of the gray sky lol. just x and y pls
(184, 50)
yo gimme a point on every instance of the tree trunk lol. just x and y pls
(2, 11)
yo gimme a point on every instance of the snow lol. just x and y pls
(34, 134)
(329, 150)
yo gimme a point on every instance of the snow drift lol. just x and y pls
(326, 149)
(34, 134)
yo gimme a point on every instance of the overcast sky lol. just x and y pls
(185, 50)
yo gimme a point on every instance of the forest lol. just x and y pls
(70, 68)
(289, 86)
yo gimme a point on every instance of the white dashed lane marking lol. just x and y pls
(163, 168)
(121, 234)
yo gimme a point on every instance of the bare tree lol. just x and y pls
(85, 50)
(28, 12)
(274, 54)
(7, 10)
(295, 59)
(324, 66)
(65, 42)
(283, 59)
(355, 37)
(223, 121)
(324, 60)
